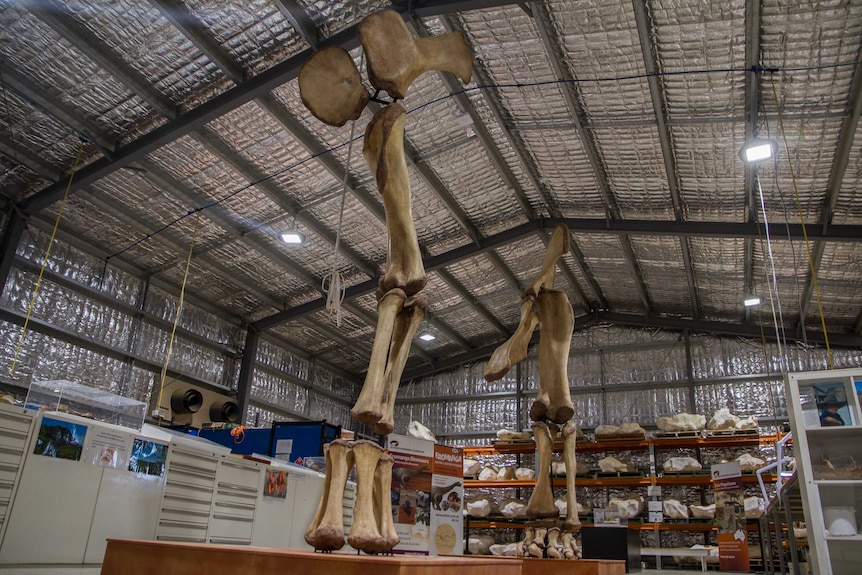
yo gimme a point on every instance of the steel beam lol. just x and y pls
(298, 18)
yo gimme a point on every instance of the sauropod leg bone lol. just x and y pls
(395, 57)
(331, 88)
(329, 534)
(514, 350)
(384, 152)
(406, 324)
(324, 498)
(554, 401)
(368, 408)
(382, 501)
(364, 534)
(570, 436)
(541, 502)
(558, 245)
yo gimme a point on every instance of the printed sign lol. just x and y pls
(730, 516)
(108, 448)
(447, 499)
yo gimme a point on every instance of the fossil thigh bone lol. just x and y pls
(554, 401)
(364, 534)
(383, 150)
(369, 408)
(395, 57)
(331, 88)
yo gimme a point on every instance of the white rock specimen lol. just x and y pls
(628, 430)
(525, 473)
(507, 550)
(506, 473)
(631, 429)
(558, 468)
(628, 508)
(749, 422)
(682, 422)
(472, 468)
(722, 419)
(673, 509)
(680, 464)
(703, 511)
(748, 462)
(611, 464)
(416, 429)
(480, 544)
(562, 505)
(509, 435)
(479, 507)
(755, 507)
(604, 431)
(513, 508)
(488, 473)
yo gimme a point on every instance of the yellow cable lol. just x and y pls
(179, 311)
(804, 230)
(45, 262)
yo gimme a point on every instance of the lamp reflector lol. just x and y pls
(292, 237)
(757, 152)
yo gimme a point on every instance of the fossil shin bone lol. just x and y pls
(364, 534)
(328, 532)
(570, 436)
(382, 501)
(541, 502)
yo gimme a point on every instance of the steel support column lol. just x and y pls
(246, 372)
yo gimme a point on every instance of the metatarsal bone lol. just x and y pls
(384, 151)
(541, 502)
(364, 534)
(369, 407)
(383, 501)
(570, 436)
(396, 58)
(324, 498)
(406, 324)
(554, 402)
(329, 534)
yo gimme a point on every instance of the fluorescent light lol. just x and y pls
(427, 337)
(758, 150)
(751, 300)
(292, 237)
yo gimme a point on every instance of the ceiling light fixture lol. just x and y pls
(292, 237)
(758, 150)
(427, 337)
(751, 300)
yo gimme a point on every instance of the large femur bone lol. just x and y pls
(570, 437)
(384, 151)
(554, 402)
(541, 502)
(383, 501)
(331, 88)
(395, 57)
(329, 533)
(364, 534)
(514, 350)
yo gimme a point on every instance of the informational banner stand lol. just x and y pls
(427, 496)
(730, 515)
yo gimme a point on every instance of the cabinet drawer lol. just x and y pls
(230, 528)
(11, 455)
(177, 531)
(202, 461)
(241, 474)
(177, 488)
(199, 505)
(190, 476)
(241, 511)
(180, 515)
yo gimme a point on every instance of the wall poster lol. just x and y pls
(730, 516)
(61, 439)
(108, 448)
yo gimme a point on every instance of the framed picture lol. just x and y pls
(148, 457)
(60, 439)
(832, 405)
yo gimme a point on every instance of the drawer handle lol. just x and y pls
(185, 511)
(228, 541)
(183, 524)
(234, 505)
(189, 485)
(175, 538)
(233, 517)
(199, 471)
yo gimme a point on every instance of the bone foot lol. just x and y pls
(533, 550)
(570, 436)
(541, 502)
(570, 546)
(557, 321)
(382, 502)
(529, 536)
(554, 547)
(396, 58)
(364, 534)
(329, 534)
(406, 325)
(331, 88)
(541, 533)
(368, 408)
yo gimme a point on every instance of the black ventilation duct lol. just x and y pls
(186, 401)
(226, 411)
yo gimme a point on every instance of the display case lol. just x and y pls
(827, 429)
(89, 402)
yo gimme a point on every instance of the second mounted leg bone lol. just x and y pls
(382, 501)
(384, 152)
(541, 502)
(329, 534)
(558, 246)
(364, 534)
(331, 88)
(514, 350)
(396, 58)
(570, 437)
(554, 402)
(369, 407)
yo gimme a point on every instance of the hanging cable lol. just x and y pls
(332, 283)
(179, 311)
(804, 230)
(45, 261)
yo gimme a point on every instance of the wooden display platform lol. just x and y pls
(129, 557)
(532, 566)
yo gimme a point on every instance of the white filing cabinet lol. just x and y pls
(190, 477)
(16, 428)
(238, 484)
